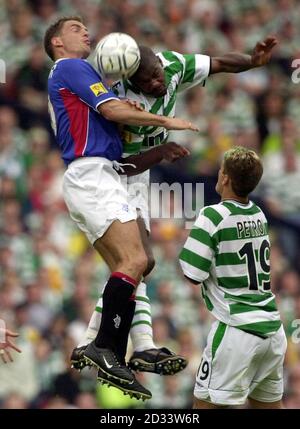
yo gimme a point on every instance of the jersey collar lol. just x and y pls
(237, 203)
(66, 58)
(61, 59)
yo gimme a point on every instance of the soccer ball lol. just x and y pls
(117, 56)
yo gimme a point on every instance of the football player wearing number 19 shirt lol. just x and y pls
(228, 251)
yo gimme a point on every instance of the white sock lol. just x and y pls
(94, 324)
(141, 333)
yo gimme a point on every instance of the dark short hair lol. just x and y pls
(244, 168)
(148, 58)
(54, 30)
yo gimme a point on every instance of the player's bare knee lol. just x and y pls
(134, 264)
(140, 263)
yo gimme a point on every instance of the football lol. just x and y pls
(117, 56)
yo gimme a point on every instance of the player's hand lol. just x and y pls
(8, 344)
(180, 124)
(172, 151)
(134, 104)
(263, 50)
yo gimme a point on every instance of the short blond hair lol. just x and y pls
(244, 168)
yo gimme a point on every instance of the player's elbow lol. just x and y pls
(216, 65)
(107, 111)
(223, 64)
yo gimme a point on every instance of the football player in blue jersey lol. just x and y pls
(84, 112)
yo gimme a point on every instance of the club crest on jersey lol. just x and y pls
(98, 88)
(171, 89)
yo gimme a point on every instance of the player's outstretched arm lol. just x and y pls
(170, 152)
(124, 113)
(235, 62)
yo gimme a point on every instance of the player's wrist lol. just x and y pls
(162, 151)
(252, 62)
(166, 122)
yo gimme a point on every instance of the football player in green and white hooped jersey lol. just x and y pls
(155, 86)
(228, 251)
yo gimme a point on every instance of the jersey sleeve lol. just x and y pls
(199, 250)
(196, 69)
(83, 80)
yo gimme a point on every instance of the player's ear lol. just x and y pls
(225, 179)
(57, 42)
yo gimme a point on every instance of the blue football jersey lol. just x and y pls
(75, 91)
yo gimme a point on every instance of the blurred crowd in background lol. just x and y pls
(50, 277)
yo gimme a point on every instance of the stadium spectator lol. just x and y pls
(7, 344)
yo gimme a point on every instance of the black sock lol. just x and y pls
(116, 296)
(124, 331)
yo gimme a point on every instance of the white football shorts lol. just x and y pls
(95, 196)
(236, 365)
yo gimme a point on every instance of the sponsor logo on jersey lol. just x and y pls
(98, 89)
(117, 321)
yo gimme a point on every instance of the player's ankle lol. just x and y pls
(143, 347)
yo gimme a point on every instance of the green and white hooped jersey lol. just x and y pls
(228, 251)
(181, 72)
